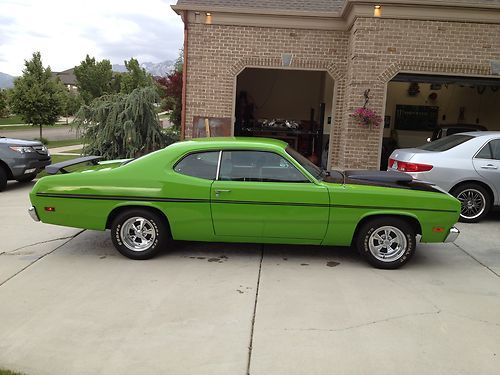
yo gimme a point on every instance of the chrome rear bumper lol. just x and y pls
(33, 214)
(453, 235)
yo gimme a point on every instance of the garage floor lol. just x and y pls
(69, 304)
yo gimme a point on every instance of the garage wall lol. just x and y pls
(380, 48)
(218, 53)
(367, 56)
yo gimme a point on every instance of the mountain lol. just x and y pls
(160, 69)
(6, 81)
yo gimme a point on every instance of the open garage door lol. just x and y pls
(418, 105)
(291, 105)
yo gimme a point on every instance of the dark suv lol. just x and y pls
(21, 160)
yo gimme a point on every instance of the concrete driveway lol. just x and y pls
(69, 304)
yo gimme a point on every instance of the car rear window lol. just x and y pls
(446, 143)
(201, 165)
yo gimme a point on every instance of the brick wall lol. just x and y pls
(380, 48)
(366, 57)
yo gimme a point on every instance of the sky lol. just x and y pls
(65, 31)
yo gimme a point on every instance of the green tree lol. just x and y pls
(134, 78)
(71, 101)
(94, 78)
(121, 125)
(179, 63)
(170, 91)
(4, 107)
(36, 95)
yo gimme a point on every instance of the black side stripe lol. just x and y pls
(122, 198)
(187, 200)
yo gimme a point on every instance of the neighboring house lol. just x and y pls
(296, 70)
(68, 78)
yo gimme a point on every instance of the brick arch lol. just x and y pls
(433, 67)
(297, 63)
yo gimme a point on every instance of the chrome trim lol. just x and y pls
(218, 166)
(453, 235)
(33, 214)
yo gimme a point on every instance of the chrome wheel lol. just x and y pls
(387, 243)
(138, 233)
(473, 203)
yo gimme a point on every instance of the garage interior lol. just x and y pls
(417, 104)
(292, 105)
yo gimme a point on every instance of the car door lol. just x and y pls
(487, 163)
(262, 194)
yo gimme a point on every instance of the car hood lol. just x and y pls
(390, 179)
(19, 142)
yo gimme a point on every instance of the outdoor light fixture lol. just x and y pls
(377, 10)
(208, 18)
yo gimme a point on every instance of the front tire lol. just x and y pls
(139, 233)
(475, 201)
(386, 242)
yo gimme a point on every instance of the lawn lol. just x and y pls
(8, 372)
(63, 143)
(11, 120)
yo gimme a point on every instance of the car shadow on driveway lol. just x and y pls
(95, 244)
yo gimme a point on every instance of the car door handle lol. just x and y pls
(489, 166)
(218, 191)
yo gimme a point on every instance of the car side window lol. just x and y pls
(201, 165)
(490, 150)
(495, 149)
(258, 166)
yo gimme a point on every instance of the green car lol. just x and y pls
(245, 190)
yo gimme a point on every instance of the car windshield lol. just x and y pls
(305, 163)
(446, 143)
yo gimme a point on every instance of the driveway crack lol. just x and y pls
(39, 243)
(367, 323)
(41, 257)
(477, 260)
(250, 345)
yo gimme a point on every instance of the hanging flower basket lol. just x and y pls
(366, 118)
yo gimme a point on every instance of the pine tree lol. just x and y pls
(121, 125)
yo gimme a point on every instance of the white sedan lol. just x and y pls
(467, 165)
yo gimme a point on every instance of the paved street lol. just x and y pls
(52, 134)
(70, 304)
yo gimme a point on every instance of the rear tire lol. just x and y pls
(386, 242)
(26, 178)
(3, 178)
(475, 200)
(139, 233)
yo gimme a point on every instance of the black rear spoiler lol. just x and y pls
(59, 167)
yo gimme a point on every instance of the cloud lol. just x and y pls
(64, 32)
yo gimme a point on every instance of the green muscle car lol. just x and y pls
(244, 190)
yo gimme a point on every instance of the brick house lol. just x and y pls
(296, 70)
